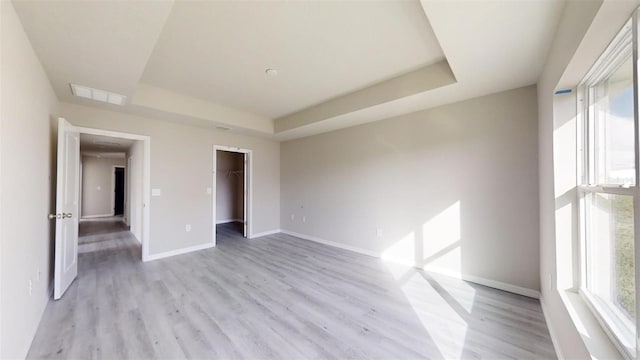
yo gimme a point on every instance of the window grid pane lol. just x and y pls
(607, 146)
(611, 255)
(612, 123)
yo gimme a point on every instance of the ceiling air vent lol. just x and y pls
(97, 95)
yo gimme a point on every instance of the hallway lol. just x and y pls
(105, 233)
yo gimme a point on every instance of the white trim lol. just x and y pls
(451, 273)
(113, 188)
(127, 194)
(218, 222)
(179, 251)
(146, 181)
(332, 243)
(146, 197)
(535, 294)
(97, 216)
(81, 182)
(265, 233)
(552, 331)
(248, 196)
(612, 325)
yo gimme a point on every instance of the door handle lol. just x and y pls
(60, 216)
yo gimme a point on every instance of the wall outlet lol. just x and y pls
(379, 232)
(188, 227)
(293, 217)
(304, 219)
(30, 287)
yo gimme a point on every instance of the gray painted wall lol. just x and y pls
(27, 187)
(182, 168)
(453, 188)
(97, 185)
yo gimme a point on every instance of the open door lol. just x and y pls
(67, 192)
(245, 194)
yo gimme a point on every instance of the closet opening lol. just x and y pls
(231, 192)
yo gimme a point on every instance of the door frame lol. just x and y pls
(248, 180)
(146, 179)
(113, 189)
(80, 182)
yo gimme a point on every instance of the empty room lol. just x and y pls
(319, 179)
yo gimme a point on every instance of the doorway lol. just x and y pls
(104, 222)
(118, 190)
(117, 196)
(231, 192)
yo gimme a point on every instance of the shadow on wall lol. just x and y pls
(474, 216)
(462, 319)
(442, 250)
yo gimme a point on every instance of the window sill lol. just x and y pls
(593, 335)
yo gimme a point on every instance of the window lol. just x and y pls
(609, 191)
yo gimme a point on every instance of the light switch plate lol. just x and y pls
(156, 192)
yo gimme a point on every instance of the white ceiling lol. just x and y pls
(100, 44)
(219, 51)
(340, 63)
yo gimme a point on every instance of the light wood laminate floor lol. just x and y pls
(276, 297)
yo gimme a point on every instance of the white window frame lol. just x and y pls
(615, 325)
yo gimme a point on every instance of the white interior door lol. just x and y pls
(67, 193)
(245, 221)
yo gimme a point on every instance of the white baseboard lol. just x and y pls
(166, 254)
(552, 330)
(265, 233)
(451, 273)
(228, 221)
(96, 216)
(332, 243)
(503, 286)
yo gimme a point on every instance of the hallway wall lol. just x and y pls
(97, 185)
(135, 194)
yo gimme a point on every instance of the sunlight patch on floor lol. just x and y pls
(442, 316)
